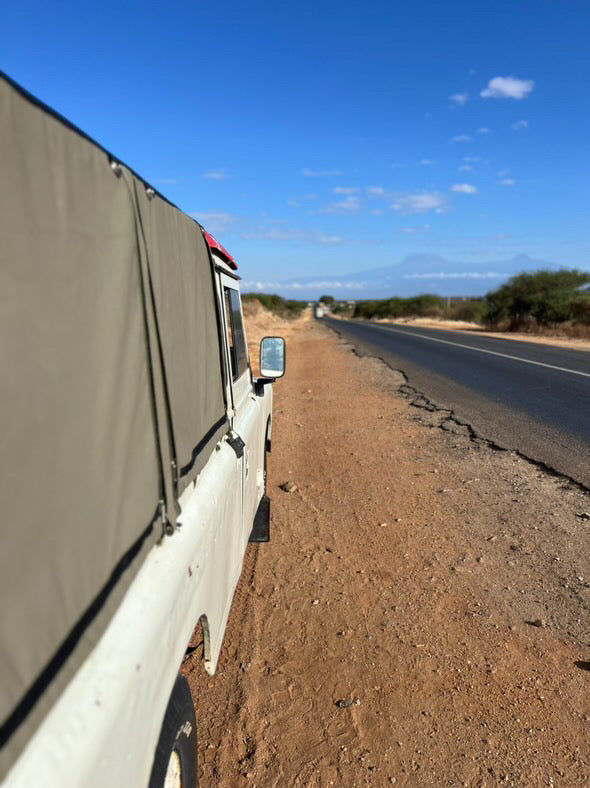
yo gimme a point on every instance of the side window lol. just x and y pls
(230, 333)
(237, 339)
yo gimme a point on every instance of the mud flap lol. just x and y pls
(261, 527)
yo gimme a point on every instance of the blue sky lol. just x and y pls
(332, 137)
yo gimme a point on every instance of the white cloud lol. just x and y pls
(215, 175)
(464, 188)
(328, 284)
(292, 234)
(214, 221)
(507, 182)
(344, 190)
(459, 98)
(295, 202)
(309, 173)
(520, 124)
(413, 230)
(419, 203)
(425, 162)
(375, 191)
(498, 237)
(459, 275)
(508, 87)
(466, 168)
(483, 130)
(461, 138)
(348, 205)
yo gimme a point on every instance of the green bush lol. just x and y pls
(471, 310)
(417, 306)
(581, 309)
(540, 298)
(543, 298)
(342, 308)
(424, 306)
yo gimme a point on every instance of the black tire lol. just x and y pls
(178, 739)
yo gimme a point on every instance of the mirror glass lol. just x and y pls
(272, 357)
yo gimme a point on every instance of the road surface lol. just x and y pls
(529, 397)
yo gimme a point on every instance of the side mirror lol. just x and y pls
(272, 357)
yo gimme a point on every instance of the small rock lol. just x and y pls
(345, 703)
(315, 601)
(383, 525)
(583, 515)
(288, 487)
(537, 622)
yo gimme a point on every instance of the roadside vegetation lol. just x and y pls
(282, 307)
(468, 309)
(544, 298)
(538, 301)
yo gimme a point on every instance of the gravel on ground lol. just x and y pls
(421, 615)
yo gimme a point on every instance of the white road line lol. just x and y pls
(491, 352)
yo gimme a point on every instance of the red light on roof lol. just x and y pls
(213, 244)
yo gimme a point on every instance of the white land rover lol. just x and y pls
(134, 439)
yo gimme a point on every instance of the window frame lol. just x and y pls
(236, 333)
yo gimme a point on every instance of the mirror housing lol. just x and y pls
(272, 362)
(272, 357)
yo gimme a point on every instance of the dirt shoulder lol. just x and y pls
(420, 616)
(473, 328)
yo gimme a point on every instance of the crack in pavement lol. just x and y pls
(418, 399)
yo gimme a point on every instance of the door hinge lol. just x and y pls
(167, 526)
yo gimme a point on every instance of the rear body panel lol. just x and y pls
(126, 506)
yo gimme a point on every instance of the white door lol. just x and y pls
(248, 409)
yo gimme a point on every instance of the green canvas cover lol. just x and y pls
(185, 308)
(102, 292)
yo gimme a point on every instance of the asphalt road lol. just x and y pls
(529, 397)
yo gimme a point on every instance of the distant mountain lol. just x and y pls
(415, 274)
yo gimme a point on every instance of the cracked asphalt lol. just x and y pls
(532, 399)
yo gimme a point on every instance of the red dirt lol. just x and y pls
(421, 614)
